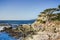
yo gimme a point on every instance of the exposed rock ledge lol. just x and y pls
(2, 25)
(45, 36)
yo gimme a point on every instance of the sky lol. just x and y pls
(24, 9)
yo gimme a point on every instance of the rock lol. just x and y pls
(4, 25)
(45, 36)
(21, 38)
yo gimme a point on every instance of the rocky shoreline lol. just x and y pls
(46, 27)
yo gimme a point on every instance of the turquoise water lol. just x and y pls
(5, 36)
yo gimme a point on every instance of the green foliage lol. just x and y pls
(59, 6)
(50, 15)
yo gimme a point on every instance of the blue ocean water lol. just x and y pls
(17, 21)
(4, 35)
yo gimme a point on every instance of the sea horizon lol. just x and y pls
(17, 21)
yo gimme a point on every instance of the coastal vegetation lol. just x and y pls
(46, 27)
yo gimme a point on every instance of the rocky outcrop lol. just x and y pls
(4, 25)
(47, 25)
(45, 36)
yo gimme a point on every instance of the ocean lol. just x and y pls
(4, 35)
(17, 21)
